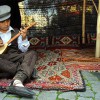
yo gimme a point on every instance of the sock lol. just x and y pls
(18, 83)
(20, 76)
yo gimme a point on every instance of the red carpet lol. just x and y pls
(59, 69)
(81, 59)
(57, 78)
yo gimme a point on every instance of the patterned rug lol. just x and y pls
(59, 69)
(81, 59)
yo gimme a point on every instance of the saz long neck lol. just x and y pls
(18, 34)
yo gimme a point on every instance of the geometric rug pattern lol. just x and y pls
(54, 41)
(59, 69)
(55, 73)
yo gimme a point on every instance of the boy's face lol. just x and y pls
(4, 25)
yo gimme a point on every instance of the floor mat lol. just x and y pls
(57, 77)
(81, 59)
(59, 69)
(53, 74)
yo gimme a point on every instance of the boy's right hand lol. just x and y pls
(1, 43)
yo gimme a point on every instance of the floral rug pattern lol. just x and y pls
(59, 69)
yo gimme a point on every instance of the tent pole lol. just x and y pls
(95, 6)
(97, 53)
(83, 22)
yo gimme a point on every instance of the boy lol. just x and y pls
(17, 61)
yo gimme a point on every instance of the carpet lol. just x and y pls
(59, 69)
(83, 59)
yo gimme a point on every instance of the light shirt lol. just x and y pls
(22, 45)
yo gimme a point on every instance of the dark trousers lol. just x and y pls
(13, 63)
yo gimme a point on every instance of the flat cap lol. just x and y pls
(4, 12)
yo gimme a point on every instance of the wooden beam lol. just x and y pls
(83, 22)
(95, 6)
(97, 54)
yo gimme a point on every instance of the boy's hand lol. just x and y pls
(23, 34)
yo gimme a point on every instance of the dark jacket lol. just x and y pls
(14, 46)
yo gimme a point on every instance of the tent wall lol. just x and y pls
(60, 25)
